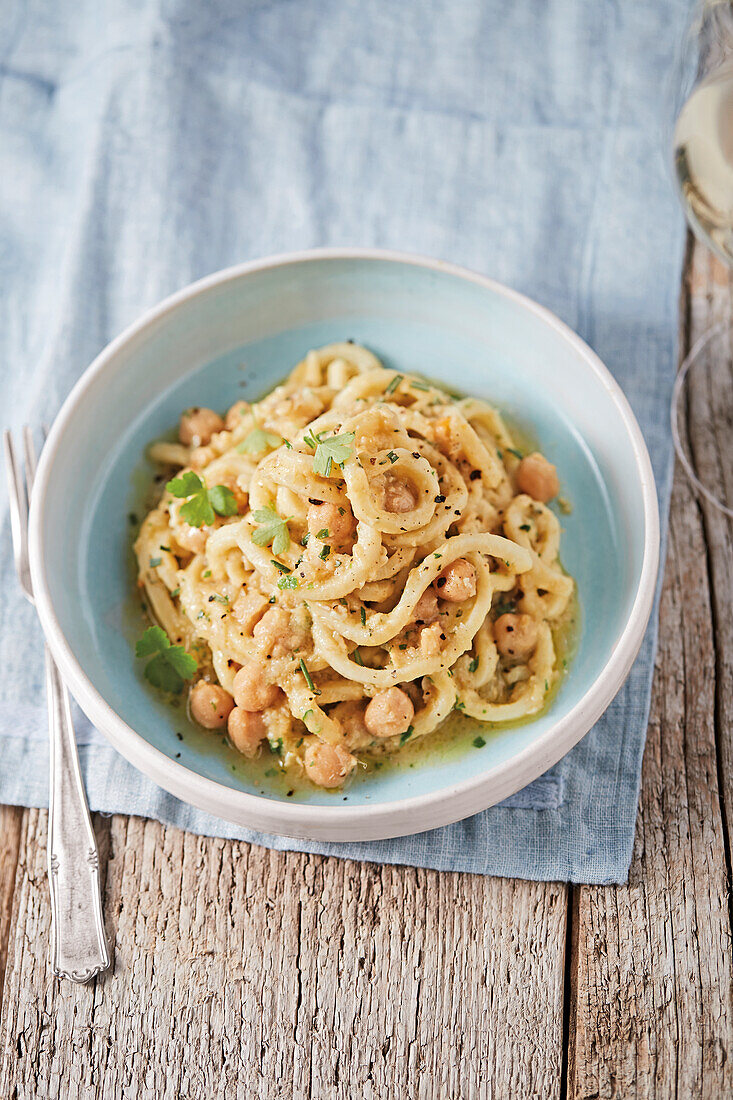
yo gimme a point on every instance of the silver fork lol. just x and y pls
(78, 943)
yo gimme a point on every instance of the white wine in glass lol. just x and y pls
(700, 140)
(703, 160)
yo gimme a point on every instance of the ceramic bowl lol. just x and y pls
(236, 334)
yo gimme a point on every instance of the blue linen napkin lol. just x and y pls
(146, 145)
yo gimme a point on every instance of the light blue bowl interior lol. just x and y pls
(238, 339)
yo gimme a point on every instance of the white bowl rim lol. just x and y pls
(382, 820)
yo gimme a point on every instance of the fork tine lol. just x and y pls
(29, 450)
(18, 500)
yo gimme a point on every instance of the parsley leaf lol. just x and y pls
(336, 449)
(407, 734)
(258, 441)
(478, 742)
(223, 500)
(170, 665)
(201, 503)
(273, 530)
(473, 665)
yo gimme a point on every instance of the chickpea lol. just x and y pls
(399, 495)
(515, 635)
(426, 608)
(251, 689)
(456, 582)
(246, 731)
(272, 632)
(191, 538)
(210, 705)
(197, 426)
(247, 608)
(389, 713)
(338, 522)
(538, 478)
(328, 765)
(234, 415)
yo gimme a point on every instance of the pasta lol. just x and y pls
(351, 559)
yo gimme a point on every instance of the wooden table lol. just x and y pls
(242, 972)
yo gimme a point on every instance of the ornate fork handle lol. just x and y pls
(78, 943)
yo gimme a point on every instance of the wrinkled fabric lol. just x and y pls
(147, 144)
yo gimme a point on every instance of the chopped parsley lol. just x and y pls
(515, 452)
(363, 616)
(323, 533)
(392, 457)
(459, 705)
(272, 530)
(473, 665)
(258, 441)
(407, 734)
(478, 742)
(288, 582)
(394, 383)
(169, 665)
(279, 565)
(525, 527)
(357, 658)
(155, 562)
(308, 677)
(325, 551)
(201, 503)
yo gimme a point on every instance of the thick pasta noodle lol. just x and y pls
(384, 557)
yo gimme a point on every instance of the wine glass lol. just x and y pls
(700, 137)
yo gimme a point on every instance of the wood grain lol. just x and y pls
(11, 824)
(651, 994)
(247, 973)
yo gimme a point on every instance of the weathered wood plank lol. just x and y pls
(652, 997)
(11, 823)
(710, 417)
(246, 973)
